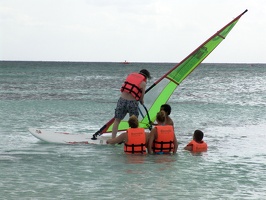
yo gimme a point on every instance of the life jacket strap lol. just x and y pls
(162, 144)
(130, 89)
(142, 151)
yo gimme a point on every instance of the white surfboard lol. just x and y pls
(68, 138)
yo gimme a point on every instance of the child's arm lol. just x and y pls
(175, 144)
(188, 147)
(151, 139)
(118, 139)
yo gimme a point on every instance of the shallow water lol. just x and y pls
(226, 101)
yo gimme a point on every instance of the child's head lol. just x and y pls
(166, 108)
(161, 117)
(133, 121)
(198, 135)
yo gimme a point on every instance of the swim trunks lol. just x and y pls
(126, 106)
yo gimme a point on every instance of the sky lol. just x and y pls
(132, 30)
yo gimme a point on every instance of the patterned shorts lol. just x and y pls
(126, 106)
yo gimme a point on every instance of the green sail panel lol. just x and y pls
(160, 92)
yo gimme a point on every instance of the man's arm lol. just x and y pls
(143, 88)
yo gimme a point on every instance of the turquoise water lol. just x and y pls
(226, 101)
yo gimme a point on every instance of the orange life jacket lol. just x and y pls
(136, 140)
(198, 147)
(132, 85)
(165, 139)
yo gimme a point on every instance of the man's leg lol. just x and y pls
(115, 127)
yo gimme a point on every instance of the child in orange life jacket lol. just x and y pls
(197, 144)
(135, 138)
(132, 92)
(162, 137)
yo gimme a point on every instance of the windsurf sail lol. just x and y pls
(160, 92)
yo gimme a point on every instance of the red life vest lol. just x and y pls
(165, 139)
(198, 147)
(136, 140)
(132, 85)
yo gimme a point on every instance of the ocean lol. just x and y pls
(226, 101)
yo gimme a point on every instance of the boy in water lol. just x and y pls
(197, 144)
(167, 109)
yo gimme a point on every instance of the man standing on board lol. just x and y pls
(132, 92)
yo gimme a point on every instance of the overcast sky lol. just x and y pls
(132, 30)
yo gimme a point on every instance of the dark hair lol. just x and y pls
(198, 135)
(166, 108)
(145, 73)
